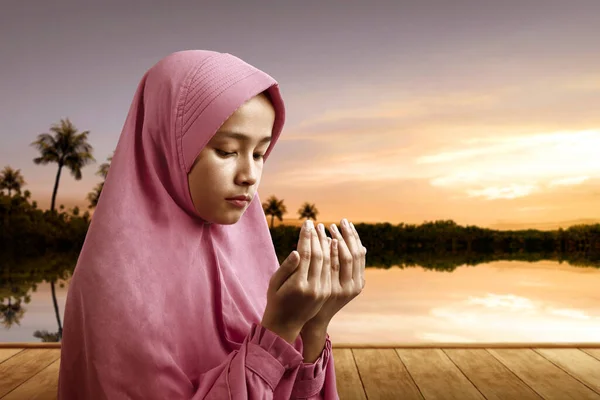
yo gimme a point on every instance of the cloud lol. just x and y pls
(576, 180)
(506, 302)
(517, 318)
(569, 313)
(565, 102)
(506, 151)
(517, 166)
(535, 208)
(509, 192)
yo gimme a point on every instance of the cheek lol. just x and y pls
(212, 181)
(195, 190)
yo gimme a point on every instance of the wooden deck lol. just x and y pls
(437, 371)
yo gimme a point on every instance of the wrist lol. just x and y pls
(313, 338)
(315, 327)
(288, 334)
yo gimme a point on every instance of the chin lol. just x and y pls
(229, 218)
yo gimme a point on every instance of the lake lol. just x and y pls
(504, 301)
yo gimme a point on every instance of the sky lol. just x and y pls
(483, 112)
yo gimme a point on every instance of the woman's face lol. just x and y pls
(231, 163)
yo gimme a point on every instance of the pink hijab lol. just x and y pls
(163, 305)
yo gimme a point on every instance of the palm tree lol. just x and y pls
(103, 169)
(47, 336)
(274, 208)
(308, 211)
(94, 195)
(11, 313)
(68, 148)
(11, 179)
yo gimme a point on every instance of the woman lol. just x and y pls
(169, 296)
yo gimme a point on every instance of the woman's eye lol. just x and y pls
(225, 154)
(222, 153)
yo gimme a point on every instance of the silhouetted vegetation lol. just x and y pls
(41, 245)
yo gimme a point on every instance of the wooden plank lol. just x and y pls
(34, 345)
(490, 376)
(349, 385)
(576, 363)
(23, 366)
(458, 345)
(408, 373)
(436, 375)
(592, 352)
(5, 354)
(551, 382)
(387, 345)
(42, 386)
(384, 376)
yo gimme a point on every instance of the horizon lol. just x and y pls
(484, 115)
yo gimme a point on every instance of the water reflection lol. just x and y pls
(500, 301)
(496, 302)
(39, 316)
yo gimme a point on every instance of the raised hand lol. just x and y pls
(301, 285)
(348, 257)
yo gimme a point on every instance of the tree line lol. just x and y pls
(70, 149)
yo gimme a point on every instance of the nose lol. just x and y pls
(248, 171)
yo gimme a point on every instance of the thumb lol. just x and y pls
(287, 268)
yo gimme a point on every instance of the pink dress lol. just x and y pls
(163, 305)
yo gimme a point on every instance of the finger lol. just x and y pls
(286, 269)
(363, 251)
(344, 255)
(303, 248)
(335, 263)
(325, 249)
(355, 251)
(358, 241)
(349, 236)
(316, 258)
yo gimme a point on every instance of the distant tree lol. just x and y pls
(11, 313)
(308, 211)
(47, 336)
(94, 195)
(11, 179)
(274, 208)
(67, 148)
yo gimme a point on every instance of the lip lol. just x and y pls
(241, 198)
(238, 203)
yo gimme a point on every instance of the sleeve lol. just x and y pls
(253, 372)
(311, 377)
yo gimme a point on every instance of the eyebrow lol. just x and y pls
(241, 136)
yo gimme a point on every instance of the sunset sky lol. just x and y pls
(483, 112)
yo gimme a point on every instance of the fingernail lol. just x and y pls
(309, 225)
(334, 228)
(353, 227)
(345, 222)
(321, 228)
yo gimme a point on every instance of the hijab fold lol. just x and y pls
(162, 304)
